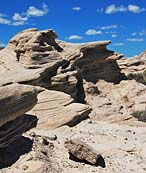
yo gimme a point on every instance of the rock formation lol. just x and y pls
(15, 101)
(55, 109)
(136, 64)
(35, 57)
(59, 77)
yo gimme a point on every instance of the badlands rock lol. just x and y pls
(55, 109)
(12, 130)
(35, 57)
(94, 60)
(116, 103)
(16, 100)
(136, 64)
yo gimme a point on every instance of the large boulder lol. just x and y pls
(15, 101)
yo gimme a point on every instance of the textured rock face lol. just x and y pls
(116, 103)
(55, 109)
(12, 130)
(94, 60)
(133, 65)
(16, 100)
(34, 47)
(82, 151)
(35, 57)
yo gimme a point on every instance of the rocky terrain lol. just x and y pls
(70, 107)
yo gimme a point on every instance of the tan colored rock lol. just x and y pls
(136, 64)
(117, 102)
(34, 57)
(82, 151)
(15, 101)
(55, 109)
(94, 60)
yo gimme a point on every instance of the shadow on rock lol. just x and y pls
(10, 154)
(100, 162)
(12, 143)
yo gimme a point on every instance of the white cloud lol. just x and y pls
(113, 9)
(75, 37)
(134, 33)
(109, 27)
(18, 17)
(35, 12)
(2, 44)
(114, 35)
(135, 39)
(4, 21)
(76, 8)
(135, 9)
(93, 32)
(118, 44)
(131, 8)
(18, 23)
(100, 10)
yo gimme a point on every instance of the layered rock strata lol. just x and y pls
(35, 57)
(55, 109)
(15, 101)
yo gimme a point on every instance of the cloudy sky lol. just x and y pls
(121, 21)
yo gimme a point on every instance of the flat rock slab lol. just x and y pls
(82, 151)
(55, 109)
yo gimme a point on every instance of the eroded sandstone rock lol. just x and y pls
(34, 57)
(16, 100)
(55, 109)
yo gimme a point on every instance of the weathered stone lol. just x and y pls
(82, 151)
(16, 100)
(55, 109)
(94, 60)
(12, 130)
(135, 64)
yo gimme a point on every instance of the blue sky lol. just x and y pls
(121, 21)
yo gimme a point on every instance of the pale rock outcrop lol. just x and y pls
(35, 57)
(94, 60)
(116, 103)
(55, 109)
(136, 64)
(15, 101)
